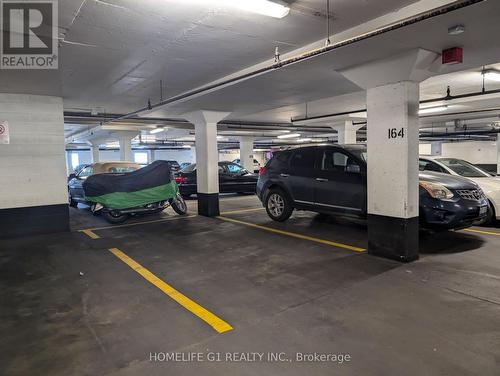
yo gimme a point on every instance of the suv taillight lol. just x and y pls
(262, 171)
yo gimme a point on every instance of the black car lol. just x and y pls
(232, 179)
(332, 179)
(174, 165)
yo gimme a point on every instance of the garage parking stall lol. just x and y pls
(251, 188)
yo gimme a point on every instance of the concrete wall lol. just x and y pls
(32, 169)
(477, 152)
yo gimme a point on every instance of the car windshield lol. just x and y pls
(190, 168)
(463, 168)
(361, 154)
(122, 169)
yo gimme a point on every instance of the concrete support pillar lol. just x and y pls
(393, 190)
(32, 202)
(346, 132)
(246, 153)
(392, 85)
(207, 159)
(152, 155)
(95, 152)
(125, 140)
(436, 148)
(125, 149)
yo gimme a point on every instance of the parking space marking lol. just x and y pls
(295, 235)
(215, 322)
(242, 211)
(138, 223)
(90, 234)
(483, 232)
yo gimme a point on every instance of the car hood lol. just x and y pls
(488, 184)
(449, 181)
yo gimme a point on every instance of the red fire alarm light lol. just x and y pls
(453, 55)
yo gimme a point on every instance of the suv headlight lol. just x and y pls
(436, 190)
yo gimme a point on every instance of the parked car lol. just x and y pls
(184, 165)
(174, 165)
(256, 164)
(458, 167)
(232, 179)
(75, 184)
(332, 179)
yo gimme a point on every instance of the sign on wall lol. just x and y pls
(4, 133)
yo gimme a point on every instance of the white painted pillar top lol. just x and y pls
(246, 152)
(207, 153)
(346, 132)
(393, 150)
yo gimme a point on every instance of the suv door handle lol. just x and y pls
(284, 175)
(321, 179)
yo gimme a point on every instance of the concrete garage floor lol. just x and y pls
(437, 316)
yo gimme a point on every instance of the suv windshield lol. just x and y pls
(463, 168)
(190, 168)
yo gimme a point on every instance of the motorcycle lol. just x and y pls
(149, 190)
(117, 216)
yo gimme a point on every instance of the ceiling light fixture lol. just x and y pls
(276, 9)
(456, 30)
(305, 140)
(431, 110)
(492, 74)
(157, 130)
(290, 135)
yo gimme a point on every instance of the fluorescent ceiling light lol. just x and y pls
(492, 74)
(157, 130)
(305, 140)
(290, 135)
(431, 110)
(186, 146)
(274, 9)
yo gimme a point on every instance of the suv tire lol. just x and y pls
(278, 206)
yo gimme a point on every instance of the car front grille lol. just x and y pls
(471, 194)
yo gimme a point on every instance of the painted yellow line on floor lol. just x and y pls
(295, 235)
(140, 223)
(218, 324)
(242, 211)
(483, 232)
(90, 234)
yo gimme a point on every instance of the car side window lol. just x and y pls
(302, 159)
(334, 160)
(221, 169)
(424, 165)
(233, 168)
(86, 172)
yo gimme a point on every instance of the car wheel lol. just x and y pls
(114, 217)
(490, 216)
(278, 205)
(72, 202)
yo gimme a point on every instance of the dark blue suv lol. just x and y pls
(332, 179)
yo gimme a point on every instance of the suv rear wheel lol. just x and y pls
(278, 206)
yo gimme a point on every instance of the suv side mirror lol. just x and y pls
(354, 168)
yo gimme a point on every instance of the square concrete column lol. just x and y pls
(33, 182)
(393, 190)
(207, 160)
(346, 133)
(125, 140)
(246, 153)
(152, 155)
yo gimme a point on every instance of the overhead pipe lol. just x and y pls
(302, 57)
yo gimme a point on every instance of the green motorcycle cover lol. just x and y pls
(145, 186)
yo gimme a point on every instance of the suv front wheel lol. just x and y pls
(278, 206)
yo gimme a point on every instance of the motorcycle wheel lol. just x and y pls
(114, 217)
(179, 205)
